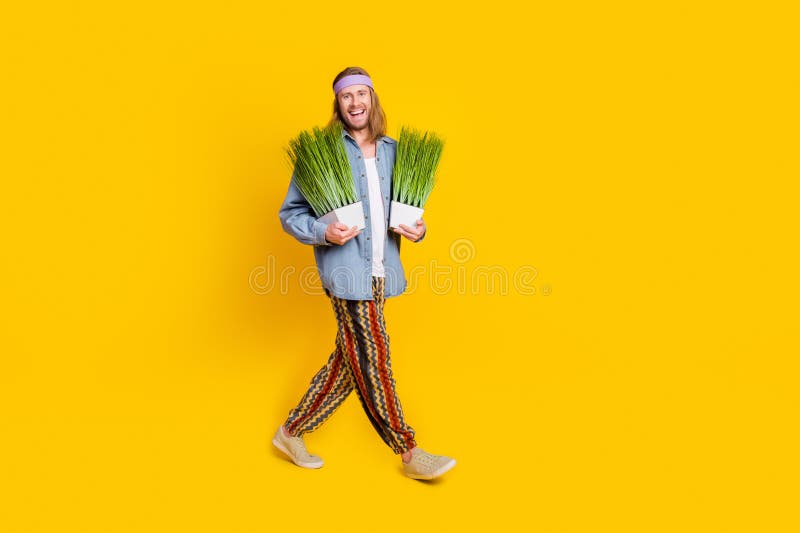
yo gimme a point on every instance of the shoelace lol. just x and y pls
(300, 445)
(425, 459)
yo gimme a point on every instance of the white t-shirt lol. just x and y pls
(376, 217)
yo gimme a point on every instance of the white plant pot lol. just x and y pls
(351, 215)
(404, 214)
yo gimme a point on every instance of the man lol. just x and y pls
(358, 269)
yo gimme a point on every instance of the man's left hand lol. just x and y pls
(412, 234)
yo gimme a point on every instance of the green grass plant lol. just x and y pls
(321, 169)
(415, 165)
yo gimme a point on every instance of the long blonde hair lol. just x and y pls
(377, 118)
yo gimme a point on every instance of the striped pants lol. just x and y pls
(360, 361)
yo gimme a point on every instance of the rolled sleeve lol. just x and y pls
(320, 228)
(298, 220)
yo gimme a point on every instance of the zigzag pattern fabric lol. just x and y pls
(360, 362)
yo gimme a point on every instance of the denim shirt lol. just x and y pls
(346, 270)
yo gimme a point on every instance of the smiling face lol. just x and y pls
(355, 105)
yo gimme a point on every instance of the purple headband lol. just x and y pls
(353, 79)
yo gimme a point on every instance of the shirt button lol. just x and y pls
(365, 218)
(363, 196)
(359, 157)
(367, 239)
(362, 175)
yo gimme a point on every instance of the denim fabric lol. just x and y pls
(346, 271)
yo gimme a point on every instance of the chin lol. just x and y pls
(359, 127)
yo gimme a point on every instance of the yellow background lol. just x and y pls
(640, 156)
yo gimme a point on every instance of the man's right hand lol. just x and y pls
(339, 233)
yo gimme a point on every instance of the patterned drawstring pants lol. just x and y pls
(361, 362)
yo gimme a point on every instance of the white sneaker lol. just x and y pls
(295, 449)
(424, 465)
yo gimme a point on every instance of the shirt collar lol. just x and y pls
(384, 139)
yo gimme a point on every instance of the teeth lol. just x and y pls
(353, 113)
